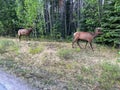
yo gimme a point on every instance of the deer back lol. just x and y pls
(84, 36)
(24, 31)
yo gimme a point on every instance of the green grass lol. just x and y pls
(65, 53)
(87, 70)
(7, 45)
(36, 50)
(77, 49)
(118, 59)
(119, 52)
(80, 78)
(109, 76)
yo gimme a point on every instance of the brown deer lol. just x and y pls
(24, 32)
(86, 36)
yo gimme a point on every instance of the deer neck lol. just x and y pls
(30, 30)
(95, 34)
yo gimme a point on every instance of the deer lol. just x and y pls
(86, 36)
(24, 32)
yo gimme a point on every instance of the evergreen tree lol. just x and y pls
(111, 23)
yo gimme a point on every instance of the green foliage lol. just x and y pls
(55, 33)
(90, 19)
(110, 24)
(109, 76)
(27, 12)
(117, 6)
(8, 16)
(2, 28)
(77, 49)
(57, 22)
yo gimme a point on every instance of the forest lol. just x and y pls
(47, 60)
(58, 19)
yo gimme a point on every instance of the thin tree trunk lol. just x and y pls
(70, 18)
(78, 13)
(49, 15)
(65, 19)
(100, 10)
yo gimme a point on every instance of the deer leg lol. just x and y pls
(91, 46)
(19, 38)
(78, 43)
(27, 38)
(86, 44)
(73, 44)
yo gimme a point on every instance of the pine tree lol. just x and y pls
(111, 24)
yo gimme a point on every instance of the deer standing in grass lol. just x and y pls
(86, 36)
(24, 32)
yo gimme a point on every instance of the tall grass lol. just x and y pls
(8, 45)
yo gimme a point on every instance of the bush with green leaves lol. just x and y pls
(110, 24)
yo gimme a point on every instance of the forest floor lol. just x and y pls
(57, 66)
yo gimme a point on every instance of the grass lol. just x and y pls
(118, 59)
(56, 66)
(8, 45)
(36, 50)
(65, 54)
(77, 50)
(109, 76)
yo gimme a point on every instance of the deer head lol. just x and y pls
(98, 30)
